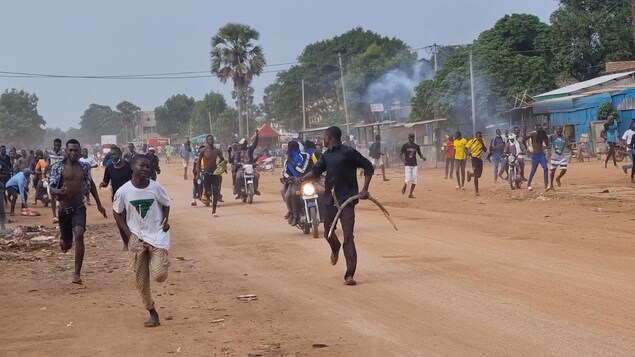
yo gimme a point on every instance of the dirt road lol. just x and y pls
(506, 273)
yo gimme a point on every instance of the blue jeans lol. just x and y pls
(496, 156)
(537, 159)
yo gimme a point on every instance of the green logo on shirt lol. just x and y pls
(142, 206)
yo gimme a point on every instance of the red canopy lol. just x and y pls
(266, 132)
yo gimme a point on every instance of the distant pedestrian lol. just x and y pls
(185, 154)
(496, 147)
(611, 129)
(448, 151)
(168, 153)
(141, 209)
(628, 138)
(559, 143)
(377, 154)
(539, 140)
(408, 156)
(92, 163)
(155, 169)
(131, 152)
(460, 155)
(117, 174)
(476, 147)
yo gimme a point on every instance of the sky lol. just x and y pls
(91, 37)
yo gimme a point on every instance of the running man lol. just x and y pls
(340, 163)
(208, 163)
(477, 148)
(460, 155)
(131, 152)
(185, 153)
(141, 209)
(92, 163)
(539, 140)
(376, 153)
(627, 137)
(408, 156)
(70, 180)
(117, 174)
(496, 147)
(559, 144)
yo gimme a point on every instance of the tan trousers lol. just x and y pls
(145, 259)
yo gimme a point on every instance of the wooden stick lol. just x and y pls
(353, 198)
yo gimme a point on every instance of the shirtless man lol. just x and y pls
(70, 180)
(208, 163)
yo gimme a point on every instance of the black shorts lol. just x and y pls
(477, 166)
(70, 218)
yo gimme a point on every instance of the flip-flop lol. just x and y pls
(151, 324)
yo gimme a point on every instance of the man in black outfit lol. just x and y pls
(340, 163)
(117, 174)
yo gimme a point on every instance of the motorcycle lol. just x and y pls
(310, 219)
(41, 192)
(620, 152)
(266, 164)
(247, 191)
(513, 176)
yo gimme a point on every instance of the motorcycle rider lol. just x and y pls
(241, 153)
(295, 167)
(514, 147)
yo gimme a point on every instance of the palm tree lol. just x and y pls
(128, 113)
(235, 56)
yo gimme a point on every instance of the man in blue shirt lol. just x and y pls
(295, 167)
(18, 186)
(610, 127)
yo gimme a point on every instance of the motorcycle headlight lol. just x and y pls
(308, 189)
(249, 169)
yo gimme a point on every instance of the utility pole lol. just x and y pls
(303, 110)
(633, 24)
(473, 100)
(209, 116)
(348, 130)
(435, 56)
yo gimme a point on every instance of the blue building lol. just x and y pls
(576, 107)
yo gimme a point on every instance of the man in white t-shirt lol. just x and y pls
(92, 163)
(628, 137)
(141, 208)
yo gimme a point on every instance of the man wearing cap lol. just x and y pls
(18, 186)
(154, 163)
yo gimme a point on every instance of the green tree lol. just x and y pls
(214, 104)
(367, 57)
(20, 121)
(128, 113)
(509, 59)
(235, 56)
(99, 120)
(173, 117)
(587, 33)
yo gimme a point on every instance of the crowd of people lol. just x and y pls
(141, 206)
(533, 147)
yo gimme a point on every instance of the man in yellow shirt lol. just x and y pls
(477, 148)
(460, 156)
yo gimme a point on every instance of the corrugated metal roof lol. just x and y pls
(586, 84)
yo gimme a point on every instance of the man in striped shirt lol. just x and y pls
(477, 148)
